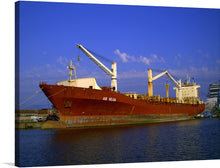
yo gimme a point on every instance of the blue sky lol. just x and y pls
(180, 40)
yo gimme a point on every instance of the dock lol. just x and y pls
(30, 118)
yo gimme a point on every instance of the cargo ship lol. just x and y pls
(82, 103)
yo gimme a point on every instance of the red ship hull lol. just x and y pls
(82, 107)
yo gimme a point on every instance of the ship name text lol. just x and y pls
(109, 99)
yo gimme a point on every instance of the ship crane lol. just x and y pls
(112, 73)
(151, 79)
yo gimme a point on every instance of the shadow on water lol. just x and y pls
(183, 140)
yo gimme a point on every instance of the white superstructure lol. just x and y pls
(81, 82)
(188, 90)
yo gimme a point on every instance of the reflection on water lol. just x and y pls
(184, 140)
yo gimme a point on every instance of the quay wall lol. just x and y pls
(24, 118)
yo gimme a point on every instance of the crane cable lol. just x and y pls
(98, 55)
(161, 70)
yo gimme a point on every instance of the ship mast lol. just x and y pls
(71, 68)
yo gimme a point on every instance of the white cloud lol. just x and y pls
(155, 58)
(44, 71)
(123, 56)
(127, 58)
(144, 60)
(203, 72)
(178, 59)
(62, 60)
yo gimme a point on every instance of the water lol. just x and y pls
(175, 141)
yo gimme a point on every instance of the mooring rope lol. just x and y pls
(44, 98)
(29, 98)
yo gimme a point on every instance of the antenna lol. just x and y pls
(71, 68)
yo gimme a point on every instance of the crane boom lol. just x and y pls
(177, 84)
(112, 73)
(151, 79)
(95, 60)
(159, 75)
